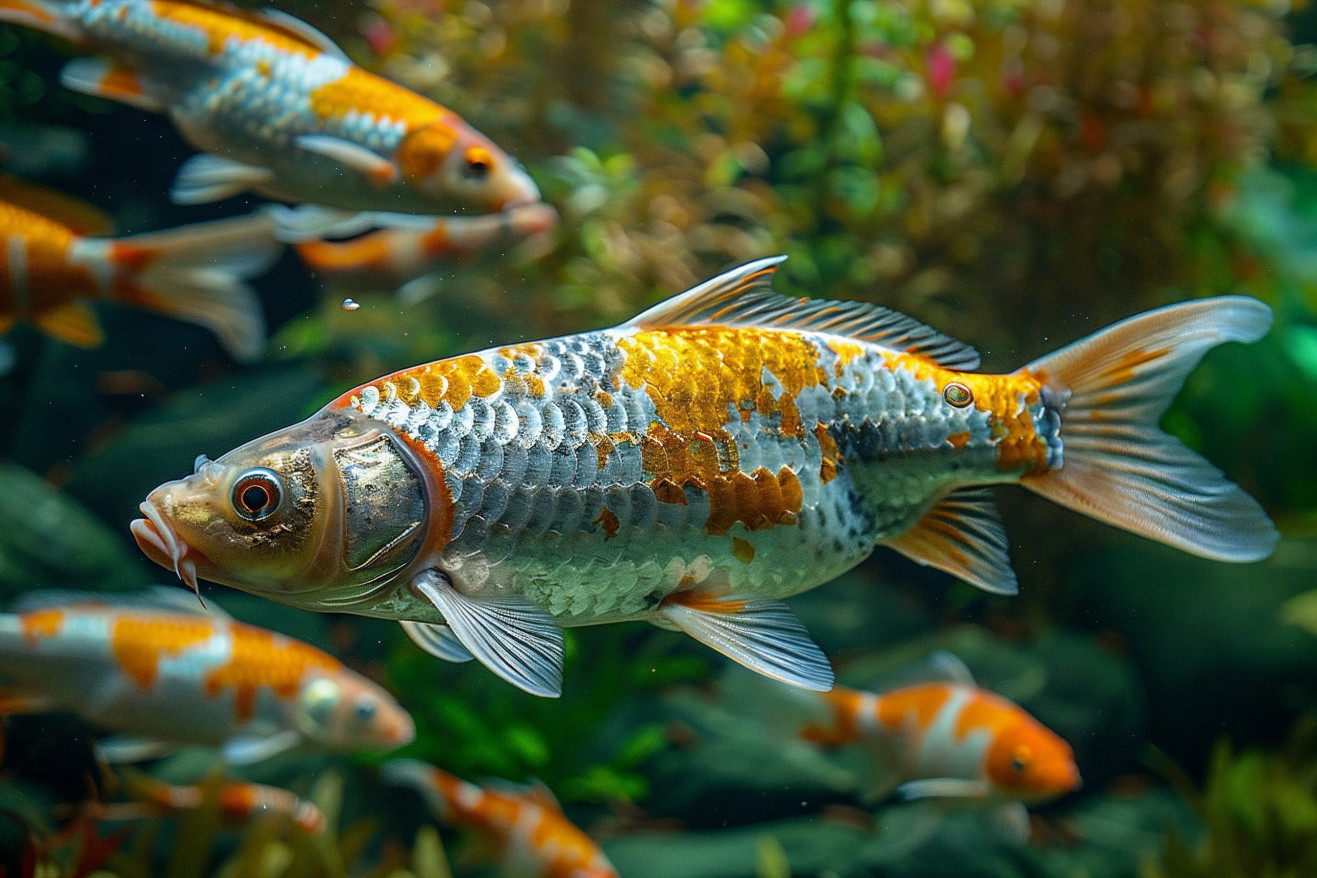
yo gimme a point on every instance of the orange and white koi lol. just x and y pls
(401, 257)
(524, 825)
(50, 270)
(164, 674)
(693, 467)
(239, 801)
(952, 739)
(277, 108)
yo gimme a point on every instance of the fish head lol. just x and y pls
(317, 515)
(1028, 761)
(346, 711)
(455, 163)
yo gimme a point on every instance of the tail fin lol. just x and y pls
(1119, 467)
(43, 15)
(197, 273)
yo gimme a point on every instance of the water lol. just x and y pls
(1015, 175)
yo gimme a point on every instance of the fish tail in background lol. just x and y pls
(44, 15)
(431, 783)
(1111, 390)
(197, 273)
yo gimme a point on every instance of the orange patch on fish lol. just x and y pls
(453, 381)
(367, 251)
(958, 440)
(917, 703)
(831, 453)
(262, 659)
(220, 27)
(426, 147)
(367, 93)
(139, 644)
(39, 624)
(982, 712)
(845, 705)
(609, 520)
(704, 603)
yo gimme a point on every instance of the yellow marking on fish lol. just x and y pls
(139, 645)
(41, 623)
(453, 381)
(831, 453)
(742, 550)
(219, 27)
(366, 92)
(426, 146)
(261, 659)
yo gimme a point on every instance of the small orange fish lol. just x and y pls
(525, 825)
(161, 670)
(239, 801)
(49, 270)
(951, 739)
(402, 257)
(277, 108)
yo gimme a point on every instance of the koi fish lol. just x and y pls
(162, 673)
(402, 257)
(239, 801)
(277, 108)
(50, 269)
(950, 738)
(722, 451)
(524, 825)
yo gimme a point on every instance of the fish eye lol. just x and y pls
(1021, 759)
(478, 162)
(957, 394)
(366, 709)
(256, 494)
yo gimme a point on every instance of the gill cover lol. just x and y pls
(383, 506)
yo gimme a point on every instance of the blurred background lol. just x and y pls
(1015, 173)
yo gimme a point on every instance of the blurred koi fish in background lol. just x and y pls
(162, 672)
(50, 269)
(524, 826)
(278, 109)
(238, 801)
(403, 257)
(949, 739)
(720, 452)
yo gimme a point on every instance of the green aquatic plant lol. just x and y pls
(1259, 809)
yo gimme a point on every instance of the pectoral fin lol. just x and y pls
(509, 635)
(765, 636)
(944, 788)
(126, 748)
(379, 170)
(245, 750)
(437, 640)
(962, 534)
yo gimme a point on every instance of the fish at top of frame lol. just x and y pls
(523, 825)
(162, 672)
(51, 267)
(694, 466)
(277, 108)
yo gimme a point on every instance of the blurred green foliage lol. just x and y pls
(1260, 810)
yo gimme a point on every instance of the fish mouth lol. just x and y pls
(160, 542)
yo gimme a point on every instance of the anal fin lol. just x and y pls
(764, 636)
(963, 535)
(509, 635)
(74, 323)
(204, 178)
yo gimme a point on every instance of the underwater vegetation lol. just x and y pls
(1016, 173)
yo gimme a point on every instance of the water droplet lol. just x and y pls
(350, 305)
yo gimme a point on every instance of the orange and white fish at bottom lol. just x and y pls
(525, 825)
(165, 674)
(237, 801)
(950, 739)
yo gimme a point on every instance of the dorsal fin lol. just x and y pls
(744, 297)
(157, 597)
(299, 30)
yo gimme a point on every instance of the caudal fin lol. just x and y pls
(44, 15)
(198, 273)
(1119, 467)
